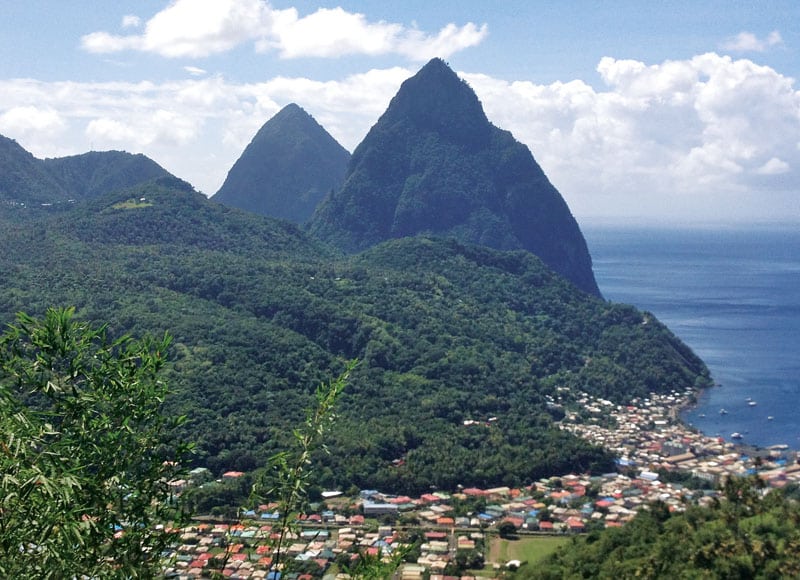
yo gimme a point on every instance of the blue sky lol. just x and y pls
(660, 112)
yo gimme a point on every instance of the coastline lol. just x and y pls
(650, 435)
(730, 295)
(692, 403)
(694, 415)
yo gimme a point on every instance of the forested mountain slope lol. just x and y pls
(433, 164)
(286, 170)
(98, 172)
(26, 180)
(23, 179)
(261, 313)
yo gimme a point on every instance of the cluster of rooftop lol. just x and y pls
(649, 440)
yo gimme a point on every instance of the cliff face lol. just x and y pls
(286, 170)
(434, 164)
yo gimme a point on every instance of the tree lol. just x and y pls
(289, 474)
(507, 529)
(373, 567)
(84, 478)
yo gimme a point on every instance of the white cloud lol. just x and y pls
(774, 166)
(103, 42)
(30, 119)
(202, 27)
(194, 71)
(190, 28)
(335, 32)
(161, 127)
(680, 130)
(199, 28)
(329, 33)
(449, 40)
(131, 21)
(749, 42)
(708, 134)
(112, 131)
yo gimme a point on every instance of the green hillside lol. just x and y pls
(261, 313)
(99, 172)
(28, 181)
(24, 180)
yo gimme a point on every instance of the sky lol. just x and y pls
(668, 112)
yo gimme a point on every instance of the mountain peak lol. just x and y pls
(437, 70)
(288, 167)
(437, 99)
(96, 173)
(433, 164)
(292, 110)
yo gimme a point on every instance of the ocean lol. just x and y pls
(733, 295)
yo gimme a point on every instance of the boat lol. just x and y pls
(723, 412)
(752, 403)
(736, 435)
(770, 418)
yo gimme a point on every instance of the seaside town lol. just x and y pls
(440, 535)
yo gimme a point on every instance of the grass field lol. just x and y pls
(525, 549)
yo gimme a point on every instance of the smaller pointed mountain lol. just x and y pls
(287, 169)
(433, 164)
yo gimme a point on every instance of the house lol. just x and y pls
(200, 475)
(379, 509)
(576, 525)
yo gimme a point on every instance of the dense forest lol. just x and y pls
(261, 313)
(743, 536)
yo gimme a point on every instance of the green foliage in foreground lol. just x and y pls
(83, 474)
(445, 332)
(286, 481)
(744, 536)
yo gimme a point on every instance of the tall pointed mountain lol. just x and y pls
(434, 164)
(287, 169)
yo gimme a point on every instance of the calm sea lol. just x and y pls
(733, 295)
